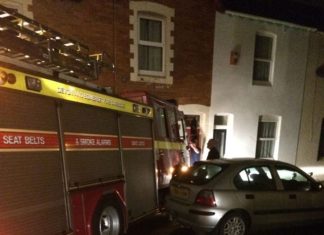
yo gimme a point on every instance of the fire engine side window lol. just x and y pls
(173, 125)
(181, 129)
(160, 122)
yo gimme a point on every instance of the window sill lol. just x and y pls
(152, 79)
(261, 83)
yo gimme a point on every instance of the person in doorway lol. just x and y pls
(194, 151)
(213, 151)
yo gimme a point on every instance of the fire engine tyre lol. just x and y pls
(107, 219)
(233, 224)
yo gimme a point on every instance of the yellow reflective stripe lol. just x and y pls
(168, 145)
(63, 91)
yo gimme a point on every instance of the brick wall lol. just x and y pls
(103, 25)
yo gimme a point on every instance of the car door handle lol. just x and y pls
(292, 196)
(249, 196)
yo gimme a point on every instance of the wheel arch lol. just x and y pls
(114, 198)
(243, 212)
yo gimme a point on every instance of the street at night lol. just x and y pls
(160, 225)
(207, 112)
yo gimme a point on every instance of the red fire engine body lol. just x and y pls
(73, 160)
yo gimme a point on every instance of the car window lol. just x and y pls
(255, 178)
(292, 179)
(200, 173)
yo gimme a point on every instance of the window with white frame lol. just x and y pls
(267, 139)
(22, 6)
(321, 143)
(263, 58)
(152, 41)
(151, 46)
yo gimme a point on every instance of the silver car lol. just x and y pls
(232, 196)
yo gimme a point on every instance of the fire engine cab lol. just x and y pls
(170, 136)
(73, 160)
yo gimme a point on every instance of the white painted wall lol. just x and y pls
(233, 92)
(313, 111)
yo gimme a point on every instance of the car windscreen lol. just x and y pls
(200, 173)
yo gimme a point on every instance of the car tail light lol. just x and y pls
(205, 198)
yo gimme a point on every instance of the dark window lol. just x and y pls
(160, 121)
(321, 143)
(255, 178)
(263, 60)
(200, 173)
(292, 179)
(173, 124)
(266, 138)
(150, 48)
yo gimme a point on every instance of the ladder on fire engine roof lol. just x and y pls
(30, 42)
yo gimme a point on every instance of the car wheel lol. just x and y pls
(233, 224)
(107, 220)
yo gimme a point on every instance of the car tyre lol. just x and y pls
(107, 219)
(233, 224)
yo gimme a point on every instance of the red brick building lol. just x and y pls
(171, 57)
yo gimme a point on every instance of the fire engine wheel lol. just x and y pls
(107, 220)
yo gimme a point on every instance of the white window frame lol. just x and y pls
(154, 44)
(22, 6)
(271, 61)
(275, 139)
(160, 11)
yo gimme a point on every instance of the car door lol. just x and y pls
(297, 193)
(257, 189)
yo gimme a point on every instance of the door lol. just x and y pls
(258, 192)
(297, 194)
(139, 165)
(220, 136)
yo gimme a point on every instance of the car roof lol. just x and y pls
(245, 161)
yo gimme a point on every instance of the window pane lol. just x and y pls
(200, 173)
(265, 149)
(292, 179)
(261, 71)
(321, 143)
(173, 125)
(267, 130)
(255, 178)
(150, 30)
(263, 47)
(150, 58)
(266, 139)
(181, 129)
(160, 122)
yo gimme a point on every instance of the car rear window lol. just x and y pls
(200, 173)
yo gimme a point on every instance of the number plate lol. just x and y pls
(180, 192)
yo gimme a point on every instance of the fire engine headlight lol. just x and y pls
(3, 77)
(184, 168)
(171, 170)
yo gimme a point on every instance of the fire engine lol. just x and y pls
(74, 160)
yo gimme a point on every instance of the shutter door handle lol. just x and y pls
(249, 196)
